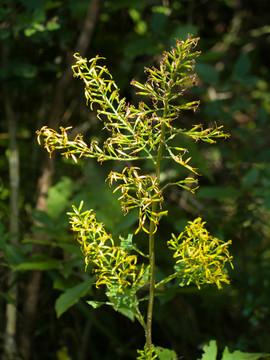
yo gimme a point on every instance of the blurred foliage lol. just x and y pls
(234, 194)
(211, 351)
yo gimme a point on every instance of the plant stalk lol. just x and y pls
(148, 331)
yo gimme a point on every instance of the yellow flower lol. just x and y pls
(201, 258)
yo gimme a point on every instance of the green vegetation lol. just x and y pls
(44, 287)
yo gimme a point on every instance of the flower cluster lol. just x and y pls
(138, 191)
(112, 265)
(201, 257)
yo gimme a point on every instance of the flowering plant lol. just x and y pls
(147, 131)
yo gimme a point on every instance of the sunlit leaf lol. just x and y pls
(165, 354)
(59, 196)
(210, 351)
(239, 355)
(95, 304)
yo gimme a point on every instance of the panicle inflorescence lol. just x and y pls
(201, 258)
(111, 264)
(138, 191)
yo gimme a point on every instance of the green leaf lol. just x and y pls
(207, 73)
(123, 302)
(71, 297)
(48, 264)
(210, 351)
(251, 177)
(4, 34)
(182, 31)
(239, 355)
(126, 312)
(2, 238)
(59, 196)
(262, 115)
(32, 4)
(8, 298)
(96, 304)
(165, 354)
(210, 55)
(25, 70)
(71, 249)
(62, 284)
(77, 8)
(242, 65)
(116, 5)
(266, 202)
(126, 222)
(53, 25)
(219, 193)
(43, 218)
(126, 244)
(141, 46)
(158, 22)
(29, 32)
(13, 255)
(39, 17)
(36, 241)
(52, 4)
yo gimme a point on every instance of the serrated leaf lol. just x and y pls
(71, 297)
(126, 244)
(239, 355)
(210, 351)
(165, 354)
(123, 302)
(96, 304)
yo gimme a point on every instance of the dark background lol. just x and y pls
(38, 39)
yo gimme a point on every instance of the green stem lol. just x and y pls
(148, 330)
(167, 279)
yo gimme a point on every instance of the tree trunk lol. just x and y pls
(10, 341)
